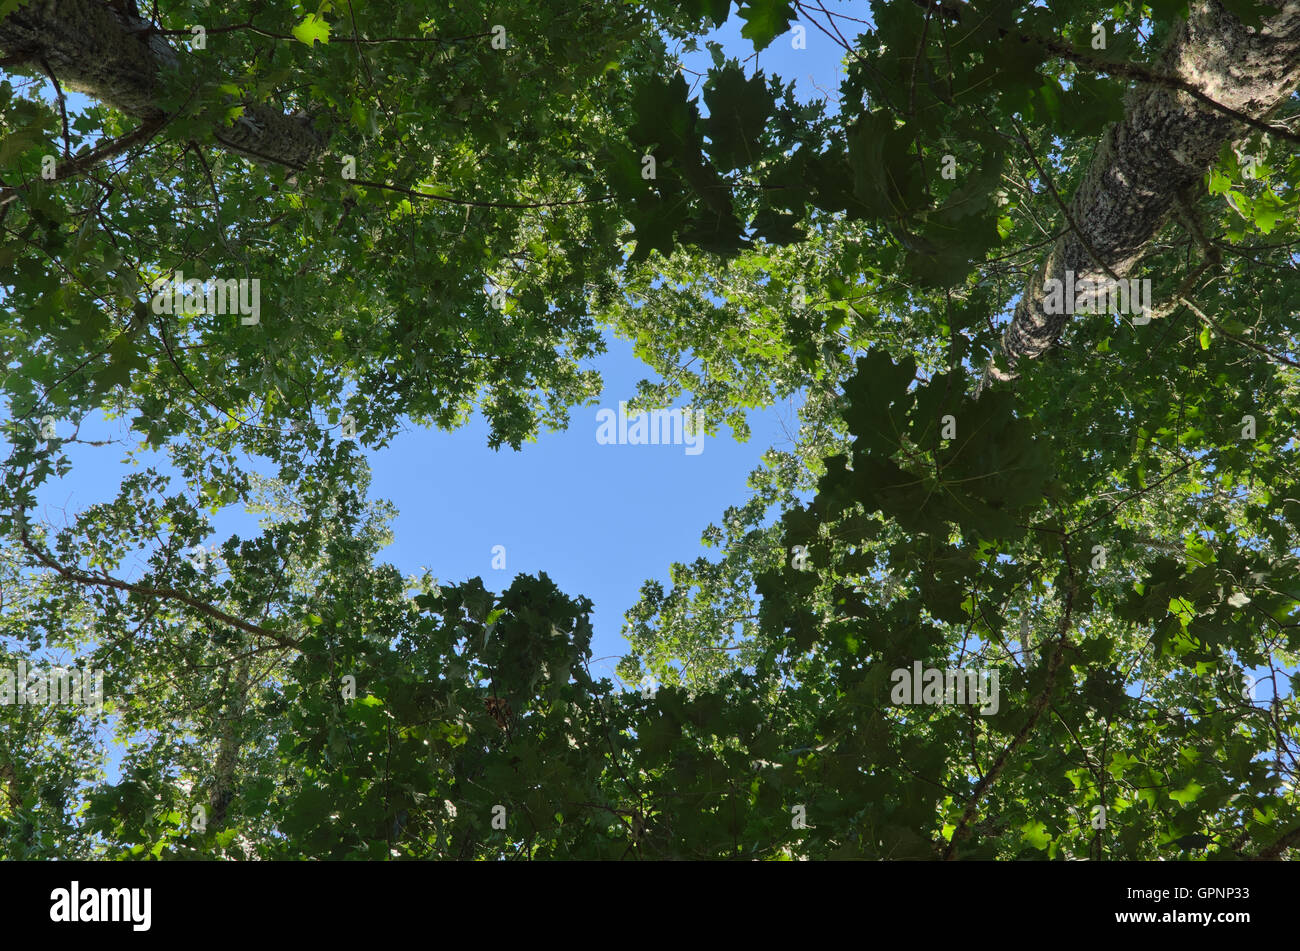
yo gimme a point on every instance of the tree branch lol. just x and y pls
(144, 591)
(1036, 711)
(1162, 147)
(84, 163)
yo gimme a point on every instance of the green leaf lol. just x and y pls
(1036, 835)
(765, 20)
(1249, 12)
(313, 29)
(739, 109)
(714, 10)
(1188, 794)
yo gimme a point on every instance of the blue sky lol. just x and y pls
(598, 519)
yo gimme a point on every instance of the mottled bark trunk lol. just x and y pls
(1165, 143)
(14, 797)
(229, 743)
(9, 782)
(113, 56)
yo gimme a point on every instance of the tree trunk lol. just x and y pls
(114, 56)
(223, 786)
(1167, 140)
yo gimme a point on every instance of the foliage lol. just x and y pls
(1105, 532)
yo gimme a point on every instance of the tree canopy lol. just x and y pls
(1097, 501)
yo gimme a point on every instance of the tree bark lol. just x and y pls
(223, 784)
(1165, 143)
(115, 56)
